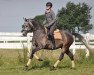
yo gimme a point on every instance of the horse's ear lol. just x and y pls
(24, 19)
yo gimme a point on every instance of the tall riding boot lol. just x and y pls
(53, 42)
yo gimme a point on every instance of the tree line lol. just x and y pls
(73, 17)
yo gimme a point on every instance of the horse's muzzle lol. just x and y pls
(24, 33)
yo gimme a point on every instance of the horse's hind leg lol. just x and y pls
(65, 50)
(61, 57)
(71, 57)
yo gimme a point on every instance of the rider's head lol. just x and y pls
(49, 5)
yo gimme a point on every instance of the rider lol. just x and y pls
(50, 23)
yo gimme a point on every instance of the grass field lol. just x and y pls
(13, 61)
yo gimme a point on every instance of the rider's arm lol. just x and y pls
(53, 15)
(53, 18)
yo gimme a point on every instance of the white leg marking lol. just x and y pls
(87, 53)
(73, 64)
(57, 62)
(36, 56)
(29, 61)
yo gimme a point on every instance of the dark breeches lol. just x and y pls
(50, 30)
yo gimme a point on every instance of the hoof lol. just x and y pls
(52, 68)
(40, 59)
(26, 68)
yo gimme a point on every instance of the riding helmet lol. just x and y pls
(49, 4)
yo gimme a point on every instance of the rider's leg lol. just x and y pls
(48, 33)
(52, 28)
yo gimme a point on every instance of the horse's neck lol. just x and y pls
(38, 28)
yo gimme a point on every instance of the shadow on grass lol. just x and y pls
(45, 63)
(65, 66)
(1, 61)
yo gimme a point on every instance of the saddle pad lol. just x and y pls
(57, 34)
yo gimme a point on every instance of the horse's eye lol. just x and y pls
(26, 26)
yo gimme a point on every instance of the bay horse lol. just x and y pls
(40, 41)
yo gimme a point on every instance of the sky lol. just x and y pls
(13, 11)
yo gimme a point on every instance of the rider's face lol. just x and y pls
(48, 7)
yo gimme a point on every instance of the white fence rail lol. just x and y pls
(14, 40)
(17, 41)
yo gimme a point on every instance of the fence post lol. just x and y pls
(87, 37)
(74, 51)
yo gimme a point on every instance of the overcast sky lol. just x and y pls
(13, 11)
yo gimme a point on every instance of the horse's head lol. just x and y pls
(27, 26)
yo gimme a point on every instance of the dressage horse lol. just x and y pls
(40, 41)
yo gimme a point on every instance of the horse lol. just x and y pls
(40, 41)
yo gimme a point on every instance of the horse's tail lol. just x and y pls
(82, 39)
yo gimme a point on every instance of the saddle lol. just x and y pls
(57, 34)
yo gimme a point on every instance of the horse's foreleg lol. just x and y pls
(71, 57)
(38, 57)
(29, 61)
(32, 54)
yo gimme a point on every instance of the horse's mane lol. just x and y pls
(37, 23)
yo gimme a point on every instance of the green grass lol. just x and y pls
(12, 63)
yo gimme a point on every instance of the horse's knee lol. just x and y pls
(32, 54)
